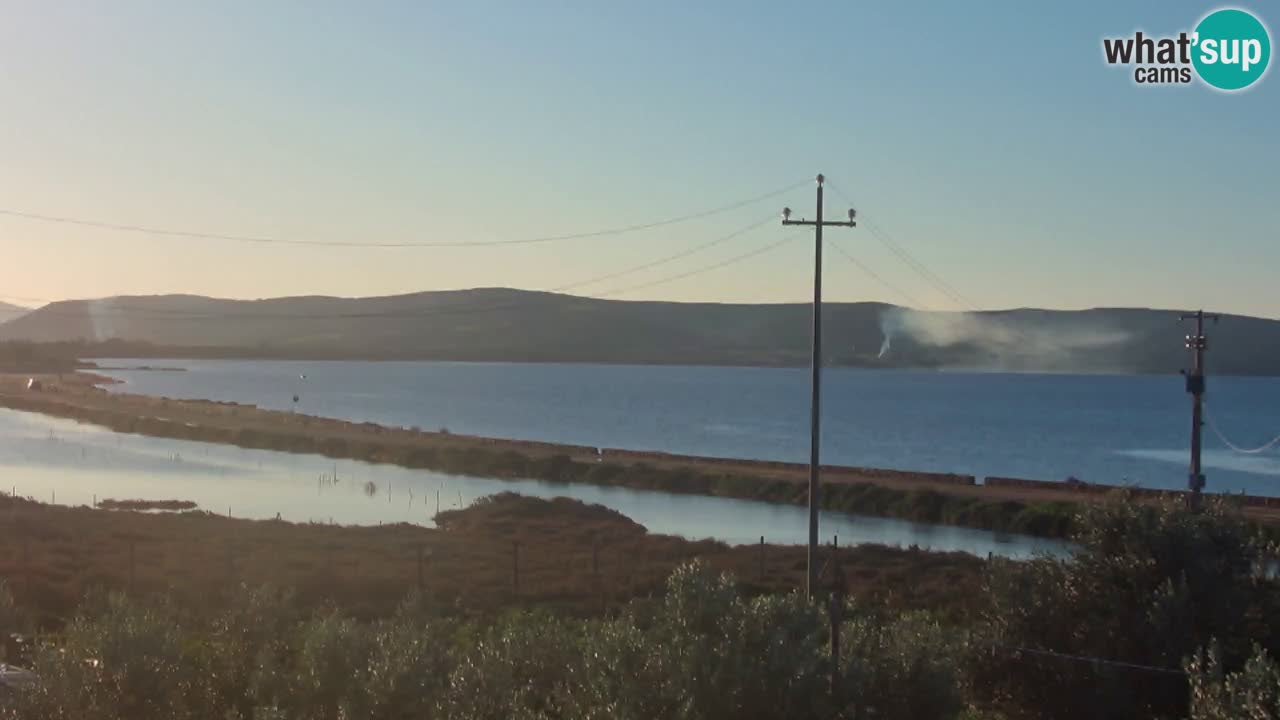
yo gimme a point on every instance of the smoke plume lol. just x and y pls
(997, 339)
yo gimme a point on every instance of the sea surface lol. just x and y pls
(1110, 429)
(69, 463)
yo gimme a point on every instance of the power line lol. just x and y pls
(911, 261)
(873, 274)
(1242, 450)
(199, 235)
(924, 272)
(699, 271)
(1091, 660)
(118, 310)
(940, 284)
(668, 258)
(1195, 381)
(934, 279)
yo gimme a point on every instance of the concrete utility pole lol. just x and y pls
(1197, 344)
(815, 413)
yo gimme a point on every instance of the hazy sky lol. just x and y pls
(989, 139)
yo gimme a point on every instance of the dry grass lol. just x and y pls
(51, 556)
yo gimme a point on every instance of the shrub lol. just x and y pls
(1251, 692)
(408, 669)
(906, 668)
(702, 651)
(320, 677)
(1148, 585)
(130, 661)
(252, 632)
(519, 668)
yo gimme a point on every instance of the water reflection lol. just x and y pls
(73, 464)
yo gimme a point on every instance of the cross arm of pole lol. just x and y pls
(824, 223)
(819, 223)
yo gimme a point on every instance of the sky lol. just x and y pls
(989, 140)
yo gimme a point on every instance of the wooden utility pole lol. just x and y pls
(815, 408)
(833, 572)
(1197, 344)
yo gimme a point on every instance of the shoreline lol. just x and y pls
(485, 360)
(1038, 508)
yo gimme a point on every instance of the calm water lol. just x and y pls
(62, 461)
(1105, 429)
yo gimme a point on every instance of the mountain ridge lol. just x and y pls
(504, 324)
(9, 312)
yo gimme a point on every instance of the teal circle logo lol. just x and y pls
(1231, 49)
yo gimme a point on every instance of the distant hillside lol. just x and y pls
(524, 326)
(11, 312)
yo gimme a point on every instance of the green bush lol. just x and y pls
(250, 634)
(906, 668)
(12, 620)
(1251, 692)
(408, 669)
(1148, 585)
(522, 667)
(320, 677)
(701, 652)
(128, 662)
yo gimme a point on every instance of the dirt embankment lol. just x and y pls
(1038, 508)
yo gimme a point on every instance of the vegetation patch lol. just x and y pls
(1162, 613)
(574, 557)
(171, 505)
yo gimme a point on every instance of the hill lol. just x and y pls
(525, 326)
(11, 312)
